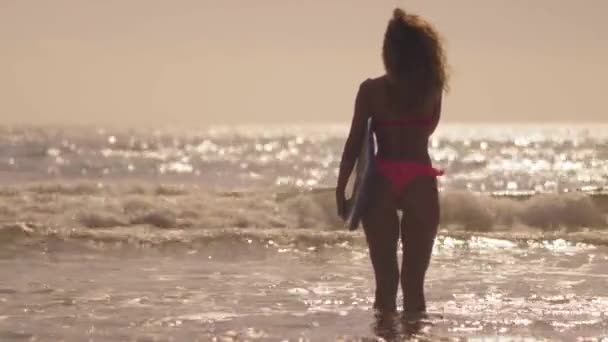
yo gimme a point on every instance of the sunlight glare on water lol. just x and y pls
(231, 234)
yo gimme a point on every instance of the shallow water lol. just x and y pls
(262, 291)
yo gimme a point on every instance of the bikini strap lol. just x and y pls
(405, 121)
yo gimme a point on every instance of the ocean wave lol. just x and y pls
(544, 211)
(279, 240)
(154, 212)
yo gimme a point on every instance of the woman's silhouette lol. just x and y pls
(405, 106)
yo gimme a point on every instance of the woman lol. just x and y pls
(404, 106)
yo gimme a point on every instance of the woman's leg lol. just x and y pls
(418, 231)
(381, 226)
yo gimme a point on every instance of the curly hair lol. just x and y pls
(414, 58)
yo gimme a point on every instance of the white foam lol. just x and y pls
(123, 211)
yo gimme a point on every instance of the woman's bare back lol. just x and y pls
(401, 141)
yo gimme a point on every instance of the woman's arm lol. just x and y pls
(353, 145)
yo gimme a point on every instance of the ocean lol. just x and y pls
(230, 234)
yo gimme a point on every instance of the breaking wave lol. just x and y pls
(154, 214)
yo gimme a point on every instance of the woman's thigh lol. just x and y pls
(380, 220)
(420, 204)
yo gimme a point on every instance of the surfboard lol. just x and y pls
(364, 171)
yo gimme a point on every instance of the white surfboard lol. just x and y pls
(365, 170)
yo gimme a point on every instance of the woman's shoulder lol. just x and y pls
(373, 81)
(369, 84)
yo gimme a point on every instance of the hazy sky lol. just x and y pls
(196, 62)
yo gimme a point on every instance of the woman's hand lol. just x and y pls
(341, 203)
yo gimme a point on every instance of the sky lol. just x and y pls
(202, 62)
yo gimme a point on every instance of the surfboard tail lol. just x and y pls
(365, 169)
(348, 217)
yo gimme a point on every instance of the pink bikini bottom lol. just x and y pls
(401, 172)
